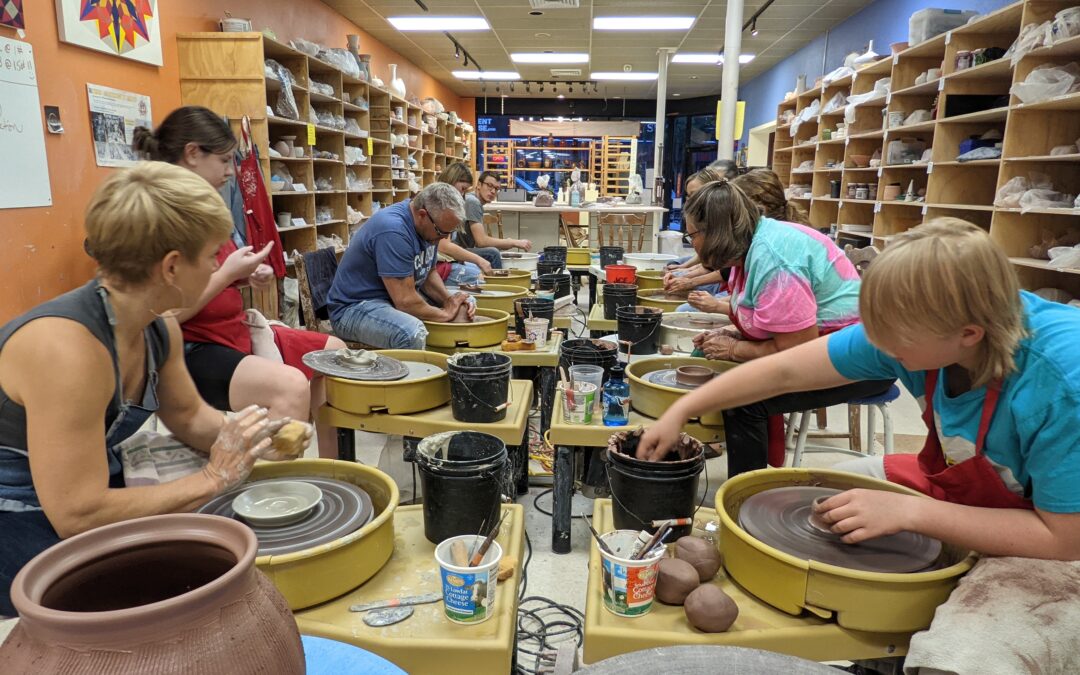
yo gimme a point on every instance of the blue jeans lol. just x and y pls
(490, 254)
(463, 273)
(379, 324)
(23, 534)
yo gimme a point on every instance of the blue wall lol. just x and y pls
(884, 22)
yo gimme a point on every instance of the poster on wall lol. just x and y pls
(114, 114)
(11, 14)
(24, 167)
(125, 28)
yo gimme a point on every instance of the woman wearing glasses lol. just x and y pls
(789, 284)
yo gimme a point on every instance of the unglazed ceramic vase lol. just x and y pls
(397, 85)
(164, 594)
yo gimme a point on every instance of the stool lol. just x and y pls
(872, 403)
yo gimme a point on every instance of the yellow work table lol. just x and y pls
(597, 322)
(759, 626)
(427, 642)
(548, 357)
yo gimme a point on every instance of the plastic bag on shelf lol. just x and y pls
(332, 241)
(313, 117)
(341, 59)
(324, 183)
(926, 23)
(279, 171)
(1064, 150)
(286, 102)
(917, 117)
(360, 102)
(433, 106)
(306, 46)
(1032, 36)
(323, 214)
(838, 74)
(321, 88)
(835, 103)
(1008, 195)
(1047, 81)
(1052, 241)
(1045, 199)
(980, 153)
(352, 127)
(904, 151)
(1065, 25)
(354, 155)
(352, 216)
(808, 113)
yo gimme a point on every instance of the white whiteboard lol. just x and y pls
(24, 168)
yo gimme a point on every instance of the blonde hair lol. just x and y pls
(139, 215)
(939, 277)
(704, 176)
(458, 172)
(726, 218)
(764, 187)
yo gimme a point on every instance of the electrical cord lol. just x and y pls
(536, 505)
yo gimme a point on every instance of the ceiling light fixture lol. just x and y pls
(623, 76)
(753, 28)
(457, 51)
(511, 87)
(642, 22)
(549, 57)
(439, 23)
(708, 58)
(486, 75)
(560, 96)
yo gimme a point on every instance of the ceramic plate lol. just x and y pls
(275, 504)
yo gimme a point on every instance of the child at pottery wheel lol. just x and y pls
(80, 374)
(998, 372)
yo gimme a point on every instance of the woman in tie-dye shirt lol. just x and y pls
(789, 284)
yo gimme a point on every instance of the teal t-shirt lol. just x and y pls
(1034, 436)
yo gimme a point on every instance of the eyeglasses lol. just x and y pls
(435, 225)
(491, 186)
(688, 238)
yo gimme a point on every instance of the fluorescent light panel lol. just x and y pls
(708, 58)
(622, 76)
(503, 75)
(642, 22)
(528, 57)
(439, 23)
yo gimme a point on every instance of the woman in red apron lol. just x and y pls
(217, 341)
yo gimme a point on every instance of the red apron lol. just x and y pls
(972, 482)
(261, 228)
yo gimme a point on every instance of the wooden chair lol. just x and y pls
(307, 305)
(494, 220)
(574, 233)
(622, 229)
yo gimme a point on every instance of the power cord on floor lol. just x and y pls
(536, 505)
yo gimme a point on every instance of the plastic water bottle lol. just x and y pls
(616, 399)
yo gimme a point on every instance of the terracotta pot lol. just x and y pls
(892, 191)
(164, 594)
(693, 376)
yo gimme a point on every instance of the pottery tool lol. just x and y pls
(649, 545)
(480, 552)
(388, 616)
(596, 535)
(476, 542)
(404, 601)
(672, 522)
(459, 554)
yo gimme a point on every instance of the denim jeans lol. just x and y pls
(23, 535)
(463, 273)
(490, 254)
(379, 324)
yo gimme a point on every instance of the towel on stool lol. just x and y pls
(1008, 615)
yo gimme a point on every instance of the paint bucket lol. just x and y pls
(618, 295)
(468, 592)
(640, 326)
(610, 255)
(553, 253)
(464, 475)
(629, 586)
(620, 274)
(479, 386)
(538, 308)
(588, 351)
(642, 491)
(560, 283)
(536, 330)
(549, 267)
(579, 402)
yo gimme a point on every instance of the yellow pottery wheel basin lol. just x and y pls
(649, 280)
(653, 400)
(658, 298)
(488, 330)
(578, 256)
(514, 277)
(396, 397)
(503, 300)
(868, 601)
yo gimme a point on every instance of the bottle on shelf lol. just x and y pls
(616, 399)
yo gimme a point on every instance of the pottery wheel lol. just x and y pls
(666, 297)
(344, 509)
(327, 362)
(781, 518)
(692, 322)
(666, 378)
(419, 370)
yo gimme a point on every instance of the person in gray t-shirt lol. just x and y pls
(472, 235)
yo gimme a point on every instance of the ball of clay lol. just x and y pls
(290, 440)
(709, 609)
(700, 553)
(677, 578)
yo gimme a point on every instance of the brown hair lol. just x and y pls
(488, 174)
(458, 172)
(727, 219)
(937, 278)
(764, 187)
(724, 167)
(138, 215)
(189, 124)
(704, 176)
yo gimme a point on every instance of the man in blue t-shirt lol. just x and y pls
(386, 287)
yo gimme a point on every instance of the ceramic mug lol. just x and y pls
(298, 152)
(896, 119)
(284, 219)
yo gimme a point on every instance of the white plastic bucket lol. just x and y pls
(468, 592)
(521, 261)
(669, 242)
(649, 261)
(629, 586)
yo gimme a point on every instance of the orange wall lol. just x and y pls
(41, 252)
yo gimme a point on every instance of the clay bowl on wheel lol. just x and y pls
(693, 376)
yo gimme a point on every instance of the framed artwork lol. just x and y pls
(11, 14)
(126, 28)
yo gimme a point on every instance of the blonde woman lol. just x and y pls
(81, 373)
(998, 372)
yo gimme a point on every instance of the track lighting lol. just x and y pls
(527, 89)
(571, 88)
(541, 87)
(753, 28)
(466, 64)
(511, 87)
(457, 51)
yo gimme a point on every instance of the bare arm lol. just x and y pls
(405, 297)
(238, 266)
(483, 239)
(451, 249)
(727, 348)
(182, 410)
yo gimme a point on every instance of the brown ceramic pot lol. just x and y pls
(693, 376)
(164, 594)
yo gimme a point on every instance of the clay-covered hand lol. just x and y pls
(524, 244)
(659, 438)
(289, 439)
(470, 306)
(452, 305)
(720, 347)
(678, 284)
(262, 277)
(705, 302)
(860, 514)
(243, 262)
(243, 438)
(484, 266)
(704, 335)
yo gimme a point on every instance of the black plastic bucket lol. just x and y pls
(585, 351)
(550, 267)
(642, 492)
(538, 308)
(610, 255)
(640, 326)
(553, 253)
(618, 295)
(479, 386)
(464, 475)
(560, 283)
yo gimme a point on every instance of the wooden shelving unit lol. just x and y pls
(619, 161)
(959, 189)
(510, 158)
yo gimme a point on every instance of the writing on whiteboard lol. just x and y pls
(9, 125)
(16, 59)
